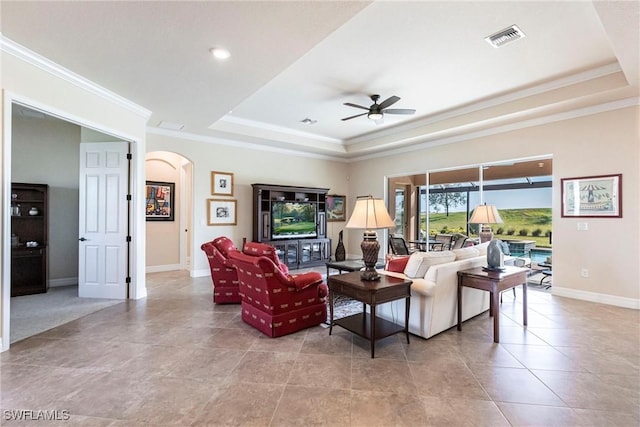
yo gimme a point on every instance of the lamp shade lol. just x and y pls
(485, 214)
(370, 214)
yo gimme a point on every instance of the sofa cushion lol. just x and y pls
(482, 248)
(464, 253)
(419, 262)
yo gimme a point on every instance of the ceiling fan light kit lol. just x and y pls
(377, 111)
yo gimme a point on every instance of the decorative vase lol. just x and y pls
(33, 211)
(495, 257)
(340, 252)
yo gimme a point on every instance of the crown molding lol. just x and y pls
(240, 144)
(552, 118)
(273, 128)
(425, 141)
(12, 48)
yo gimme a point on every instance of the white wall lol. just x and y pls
(248, 166)
(597, 144)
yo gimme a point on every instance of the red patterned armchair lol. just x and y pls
(275, 302)
(223, 273)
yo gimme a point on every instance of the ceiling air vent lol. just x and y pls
(505, 36)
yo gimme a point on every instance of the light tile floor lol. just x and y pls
(174, 358)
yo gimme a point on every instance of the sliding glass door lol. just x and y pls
(441, 202)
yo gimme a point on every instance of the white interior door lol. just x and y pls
(103, 223)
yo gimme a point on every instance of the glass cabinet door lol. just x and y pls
(287, 252)
(314, 251)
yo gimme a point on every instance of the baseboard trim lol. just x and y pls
(163, 268)
(596, 297)
(64, 281)
(200, 273)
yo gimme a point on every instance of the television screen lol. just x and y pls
(290, 220)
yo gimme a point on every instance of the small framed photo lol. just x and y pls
(592, 196)
(160, 201)
(336, 208)
(221, 212)
(221, 183)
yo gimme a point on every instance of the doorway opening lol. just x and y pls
(168, 236)
(45, 148)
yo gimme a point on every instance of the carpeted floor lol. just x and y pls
(32, 314)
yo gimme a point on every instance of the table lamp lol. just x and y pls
(370, 214)
(485, 215)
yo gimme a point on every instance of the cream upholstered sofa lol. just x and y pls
(434, 292)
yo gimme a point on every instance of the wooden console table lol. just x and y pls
(364, 324)
(494, 282)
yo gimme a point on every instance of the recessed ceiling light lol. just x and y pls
(220, 53)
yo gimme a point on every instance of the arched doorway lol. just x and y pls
(168, 235)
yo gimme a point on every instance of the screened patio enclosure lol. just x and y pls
(422, 203)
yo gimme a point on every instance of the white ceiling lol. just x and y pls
(297, 60)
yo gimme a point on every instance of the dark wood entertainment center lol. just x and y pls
(310, 249)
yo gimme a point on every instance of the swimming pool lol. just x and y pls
(537, 255)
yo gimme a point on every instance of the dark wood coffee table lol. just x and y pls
(494, 282)
(364, 324)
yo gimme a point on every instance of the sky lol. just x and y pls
(510, 199)
(515, 199)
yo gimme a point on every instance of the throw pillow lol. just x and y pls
(262, 249)
(396, 264)
(464, 253)
(419, 262)
(224, 245)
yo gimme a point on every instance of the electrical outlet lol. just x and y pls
(584, 272)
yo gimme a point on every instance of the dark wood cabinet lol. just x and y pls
(280, 208)
(29, 238)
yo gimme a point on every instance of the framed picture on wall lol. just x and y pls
(592, 196)
(160, 201)
(336, 207)
(221, 212)
(221, 183)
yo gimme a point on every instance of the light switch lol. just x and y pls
(583, 226)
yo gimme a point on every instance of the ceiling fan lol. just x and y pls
(377, 111)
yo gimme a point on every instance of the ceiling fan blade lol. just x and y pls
(353, 117)
(388, 102)
(399, 111)
(356, 106)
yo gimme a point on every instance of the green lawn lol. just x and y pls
(515, 220)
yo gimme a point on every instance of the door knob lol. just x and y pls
(82, 239)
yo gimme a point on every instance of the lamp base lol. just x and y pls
(370, 248)
(369, 275)
(486, 234)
